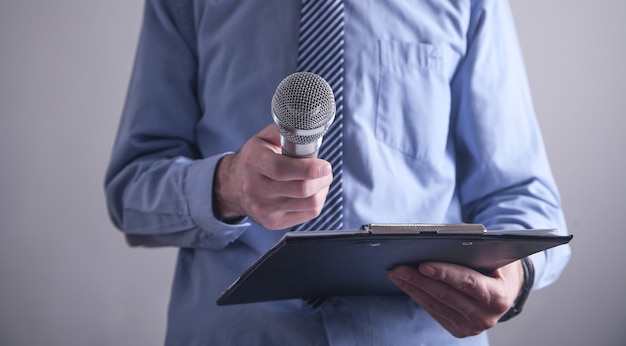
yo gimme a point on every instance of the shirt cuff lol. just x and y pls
(199, 191)
(539, 263)
(549, 264)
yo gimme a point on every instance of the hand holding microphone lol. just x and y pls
(276, 190)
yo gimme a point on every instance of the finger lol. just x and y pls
(297, 189)
(311, 205)
(439, 291)
(464, 279)
(451, 320)
(480, 298)
(270, 134)
(468, 315)
(284, 168)
(279, 167)
(458, 313)
(448, 317)
(281, 212)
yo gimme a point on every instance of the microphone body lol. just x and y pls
(303, 108)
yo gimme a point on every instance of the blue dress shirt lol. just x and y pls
(438, 127)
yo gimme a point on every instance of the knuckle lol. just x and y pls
(468, 283)
(276, 171)
(247, 188)
(481, 325)
(317, 211)
(311, 214)
(245, 162)
(497, 299)
(492, 322)
(272, 221)
(300, 189)
(319, 199)
(502, 305)
(486, 297)
(312, 206)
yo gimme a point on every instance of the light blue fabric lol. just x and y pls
(438, 127)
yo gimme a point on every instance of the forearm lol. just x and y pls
(168, 202)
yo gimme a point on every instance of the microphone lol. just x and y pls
(303, 108)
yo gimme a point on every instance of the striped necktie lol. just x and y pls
(320, 50)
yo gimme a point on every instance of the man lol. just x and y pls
(438, 127)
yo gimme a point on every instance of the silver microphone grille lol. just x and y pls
(303, 107)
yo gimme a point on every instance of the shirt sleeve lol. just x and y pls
(158, 188)
(504, 177)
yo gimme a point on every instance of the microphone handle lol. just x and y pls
(300, 150)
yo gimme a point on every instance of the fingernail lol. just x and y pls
(427, 270)
(402, 273)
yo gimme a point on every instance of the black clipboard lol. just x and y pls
(310, 264)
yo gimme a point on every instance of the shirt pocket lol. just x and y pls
(413, 101)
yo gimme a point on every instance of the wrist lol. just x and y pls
(224, 208)
(527, 285)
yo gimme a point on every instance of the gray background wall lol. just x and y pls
(67, 277)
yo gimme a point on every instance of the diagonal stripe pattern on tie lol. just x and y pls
(320, 50)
